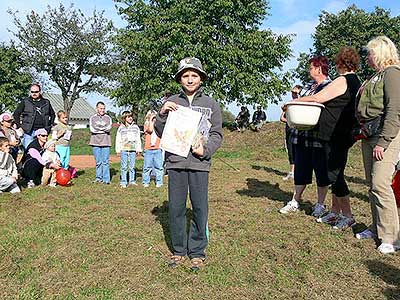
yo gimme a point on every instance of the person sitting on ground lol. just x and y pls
(8, 169)
(288, 134)
(242, 119)
(32, 162)
(6, 121)
(50, 158)
(259, 118)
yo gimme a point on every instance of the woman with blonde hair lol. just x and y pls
(379, 99)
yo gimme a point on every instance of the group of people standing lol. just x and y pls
(349, 106)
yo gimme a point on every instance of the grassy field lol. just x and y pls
(100, 242)
(80, 142)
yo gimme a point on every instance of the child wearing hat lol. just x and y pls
(50, 157)
(6, 122)
(191, 173)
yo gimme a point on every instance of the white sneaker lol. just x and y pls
(291, 206)
(31, 184)
(345, 222)
(319, 210)
(386, 248)
(290, 175)
(52, 184)
(366, 234)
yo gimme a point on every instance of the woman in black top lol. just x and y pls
(334, 126)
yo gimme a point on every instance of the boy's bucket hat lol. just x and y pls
(190, 63)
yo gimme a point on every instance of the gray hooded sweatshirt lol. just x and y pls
(211, 110)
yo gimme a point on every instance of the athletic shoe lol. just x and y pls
(123, 186)
(158, 185)
(331, 218)
(344, 223)
(319, 210)
(145, 185)
(132, 183)
(290, 175)
(31, 184)
(52, 184)
(291, 206)
(386, 248)
(366, 234)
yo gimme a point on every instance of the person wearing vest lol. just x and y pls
(33, 113)
(381, 150)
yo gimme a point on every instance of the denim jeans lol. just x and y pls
(153, 159)
(128, 163)
(28, 138)
(102, 157)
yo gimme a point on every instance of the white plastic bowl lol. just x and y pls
(303, 115)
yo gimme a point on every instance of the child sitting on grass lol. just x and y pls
(6, 121)
(62, 133)
(50, 156)
(8, 169)
(128, 145)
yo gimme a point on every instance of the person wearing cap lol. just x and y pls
(51, 160)
(32, 162)
(32, 113)
(6, 121)
(190, 173)
(259, 117)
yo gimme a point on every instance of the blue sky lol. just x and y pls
(286, 16)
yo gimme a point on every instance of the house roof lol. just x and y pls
(81, 110)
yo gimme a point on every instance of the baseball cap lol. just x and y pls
(6, 117)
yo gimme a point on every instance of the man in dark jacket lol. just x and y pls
(259, 117)
(33, 113)
(190, 173)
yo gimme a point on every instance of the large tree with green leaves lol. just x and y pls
(14, 78)
(243, 62)
(72, 49)
(350, 27)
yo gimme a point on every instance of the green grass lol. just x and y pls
(80, 142)
(100, 242)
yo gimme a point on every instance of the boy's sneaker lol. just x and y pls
(331, 218)
(132, 183)
(145, 185)
(159, 185)
(366, 234)
(386, 248)
(290, 175)
(52, 184)
(197, 263)
(344, 223)
(318, 211)
(30, 184)
(175, 261)
(291, 206)
(122, 186)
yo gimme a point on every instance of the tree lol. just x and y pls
(72, 49)
(243, 62)
(350, 27)
(14, 79)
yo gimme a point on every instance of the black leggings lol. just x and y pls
(33, 170)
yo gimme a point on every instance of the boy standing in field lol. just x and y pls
(190, 173)
(62, 133)
(100, 139)
(8, 169)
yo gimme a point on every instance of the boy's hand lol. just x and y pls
(199, 150)
(168, 106)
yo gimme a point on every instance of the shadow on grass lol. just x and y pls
(161, 213)
(260, 189)
(356, 180)
(388, 274)
(269, 170)
(361, 196)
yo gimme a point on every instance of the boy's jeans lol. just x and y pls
(153, 159)
(102, 157)
(128, 158)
